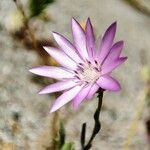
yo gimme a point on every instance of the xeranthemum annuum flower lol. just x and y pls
(86, 65)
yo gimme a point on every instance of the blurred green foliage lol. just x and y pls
(62, 135)
(37, 6)
(62, 139)
(68, 146)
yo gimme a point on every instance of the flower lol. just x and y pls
(86, 65)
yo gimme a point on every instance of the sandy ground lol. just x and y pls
(19, 94)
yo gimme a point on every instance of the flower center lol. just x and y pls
(88, 72)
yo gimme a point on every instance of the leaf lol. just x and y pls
(62, 135)
(68, 146)
(37, 6)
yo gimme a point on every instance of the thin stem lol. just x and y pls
(54, 130)
(83, 134)
(55, 119)
(62, 135)
(140, 5)
(97, 125)
(134, 123)
(26, 22)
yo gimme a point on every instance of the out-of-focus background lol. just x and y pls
(25, 122)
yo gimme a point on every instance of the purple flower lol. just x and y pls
(86, 65)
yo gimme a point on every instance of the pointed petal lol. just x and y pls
(108, 83)
(112, 65)
(79, 39)
(81, 96)
(61, 57)
(52, 72)
(65, 98)
(67, 47)
(59, 86)
(92, 91)
(90, 38)
(97, 47)
(106, 42)
(115, 52)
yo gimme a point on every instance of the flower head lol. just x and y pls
(86, 65)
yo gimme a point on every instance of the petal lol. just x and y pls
(112, 65)
(59, 86)
(106, 42)
(92, 91)
(108, 83)
(81, 96)
(79, 39)
(90, 38)
(65, 98)
(97, 47)
(115, 52)
(67, 47)
(52, 72)
(61, 58)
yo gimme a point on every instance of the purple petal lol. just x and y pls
(59, 86)
(92, 91)
(81, 96)
(106, 42)
(114, 54)
(65, 98)
(97, 47)
(108, 83)
(79, 39)
(67, 47)
(52, 72)
(61, 58)
(111, 66)
(90, 38)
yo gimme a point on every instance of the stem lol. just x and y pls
(55, 119)
(83, 133)
(134, 123)
(54, 130)
(26, 22)
(97, 125)
(62, 136)
(140, 6)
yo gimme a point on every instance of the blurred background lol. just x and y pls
(25, 122)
